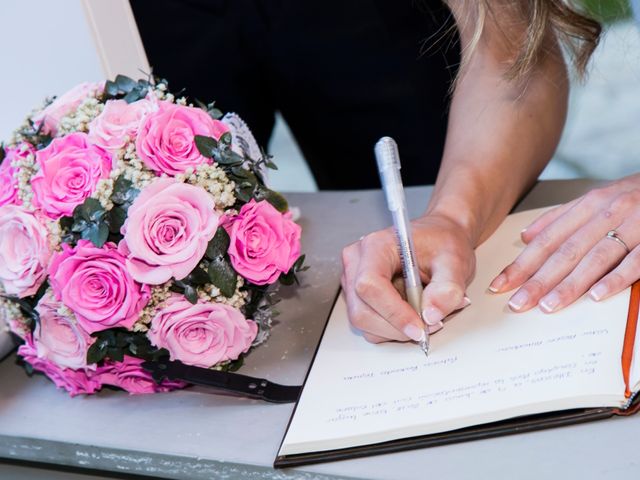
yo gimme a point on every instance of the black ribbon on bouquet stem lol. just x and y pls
(244, 385)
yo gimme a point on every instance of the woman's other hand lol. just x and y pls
(569, 253)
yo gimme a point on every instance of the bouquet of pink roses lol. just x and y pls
(136, 226)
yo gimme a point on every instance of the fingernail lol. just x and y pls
(598, 292)
(519, 300)
(413, 332)
(466, 301)
(432, 315)
(549, 303)
(498, 283)
(523, 231)
(435, 328)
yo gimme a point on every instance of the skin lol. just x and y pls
(568, 253)
(501, 134)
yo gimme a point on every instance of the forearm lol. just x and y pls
(501, 134)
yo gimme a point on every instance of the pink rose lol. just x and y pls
(96, 285)
(167, 231)
(70, 168)
(51, 115)
(264, 242)
(118, 123)
(24, 251)
(8, 179)
(130, 376)
(204, 334)
(58, 338)
(166, 141)
(76, 382)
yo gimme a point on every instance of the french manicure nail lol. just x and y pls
(498, 283)
(549, 303)
(413, 332)
(466, 301)
(432, 315)
(519, 300)
(598, 292)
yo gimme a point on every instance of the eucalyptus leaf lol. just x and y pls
(116, 218)
(222, 275)
(2, 154)
(111, 88)
(125, 83)
(274, 198)
(226, 138)
(219, 244)
(97, 351)
(206, 145)
(197, 277)
(96, 234)
(191, 294)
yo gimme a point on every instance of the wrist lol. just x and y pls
(460, 213)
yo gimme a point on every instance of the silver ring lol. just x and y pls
(613, 235)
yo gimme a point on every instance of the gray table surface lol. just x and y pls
(192, 434)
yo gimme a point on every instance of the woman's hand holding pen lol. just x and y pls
(446, 260)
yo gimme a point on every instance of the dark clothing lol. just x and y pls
(343, 73)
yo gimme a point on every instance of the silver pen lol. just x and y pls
(388, 159)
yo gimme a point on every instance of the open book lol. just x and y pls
(490, 372)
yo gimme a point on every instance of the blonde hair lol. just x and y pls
(544, 19)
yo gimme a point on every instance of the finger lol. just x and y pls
(372, 285)
(544, 220)
(445, 291)
(361, 316)
(603, 257)
(549, 241)
(561, 263)
(619, 278)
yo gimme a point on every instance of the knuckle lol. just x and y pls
(567, 290)
(536, 285)
(365, 287)
(358, 320)
(615, 280)
(568, 251)
(599, 257)
(543, 242)
(595, 196)
(621, 204)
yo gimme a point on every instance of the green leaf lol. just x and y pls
(111, 88)
(222, 275)
(219, 244)
(125, 83)
(226, 138)
(116, 218)
(269, 164)
(79, 225)
(206, 145)
(274, 198)
(228, 158)
(288, 278)
(96, 234)
(197, 277)
(215, 113)
(3, 154)
(97, 351)
(191, 294)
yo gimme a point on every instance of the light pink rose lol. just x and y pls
(8, 179)
(95, 284)
(58, 338)
(119, 122)
(24, 251)
(51, 115)
(70, 168)
(130, 376)
(167, 230)
(166, 141)
(76, 382)
(204, 334)
(264, 242)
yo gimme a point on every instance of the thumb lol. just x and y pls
(445, 291)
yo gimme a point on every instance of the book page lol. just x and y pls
(487, 364)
